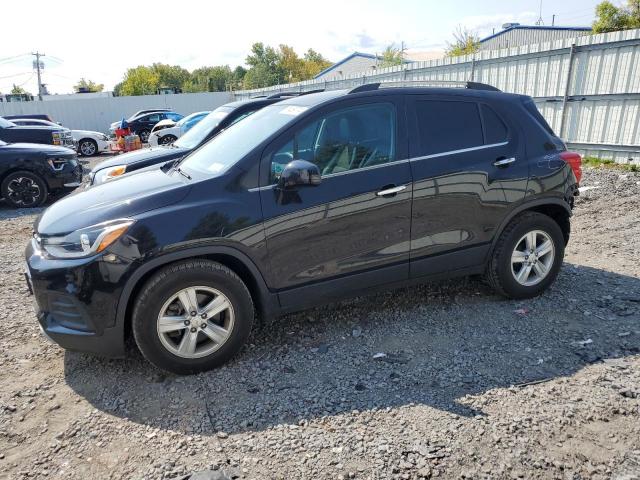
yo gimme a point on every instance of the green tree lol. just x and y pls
(610, 18)
(465, 43)
(17, 90)
(314, 63)
(209, 79)
(391, 56)
(172, 76)
(140, 80)
(88, 85)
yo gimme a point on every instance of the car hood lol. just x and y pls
(125, 198)
(141, 155)
(43, 148)
(166, 121)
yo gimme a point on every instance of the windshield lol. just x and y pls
(200, 130)
(6, 123)
(234, 143)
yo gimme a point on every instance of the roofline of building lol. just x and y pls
(535, 27)
(349, 57)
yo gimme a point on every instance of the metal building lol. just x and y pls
(357, 62)
(515, 35)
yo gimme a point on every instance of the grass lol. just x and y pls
(604, 163)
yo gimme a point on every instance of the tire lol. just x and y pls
(87, 147)
(167, 140)
(512, 254)
(24, 189)
(144, 135)
(164, 349)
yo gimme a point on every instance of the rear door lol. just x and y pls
(468, 168)
(350, 232)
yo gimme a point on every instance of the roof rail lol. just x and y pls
(408, 83)
(294, 94)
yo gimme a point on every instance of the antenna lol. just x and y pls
(540, 21)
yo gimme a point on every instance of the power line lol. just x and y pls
(15, 75)
(8, 59)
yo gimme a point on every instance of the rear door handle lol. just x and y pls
(391, 191)
(502, 162)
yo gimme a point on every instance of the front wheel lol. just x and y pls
(24, 189)
(192, 316)
(527, 256)
(167, 140)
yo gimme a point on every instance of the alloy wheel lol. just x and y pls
(195, 322)
(88, 148)
(24, 191)
(532, 258)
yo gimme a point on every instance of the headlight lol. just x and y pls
(57, 163)
(86, 241)
(107, 174)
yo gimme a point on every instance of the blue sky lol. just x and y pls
(96, 41)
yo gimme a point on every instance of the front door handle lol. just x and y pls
(503, 162)
(390, 191)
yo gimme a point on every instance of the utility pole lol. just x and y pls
(402, 49)
(540, 21)
(37, 67)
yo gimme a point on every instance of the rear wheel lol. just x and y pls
(87, 147)
(527, 257)
(144, 135)
(192, 316)
(24, 189)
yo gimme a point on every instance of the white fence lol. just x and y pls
(588, 88)
(98, 113)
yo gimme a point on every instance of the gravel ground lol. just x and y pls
(443, 380)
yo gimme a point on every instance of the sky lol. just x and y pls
(95, 40)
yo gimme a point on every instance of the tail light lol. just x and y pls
(575, 162)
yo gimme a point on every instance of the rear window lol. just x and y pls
(495, 131)
(533, 110)
(445, 126)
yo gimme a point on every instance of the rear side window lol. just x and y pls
(495, 131)
(447, 126)
(533, 110)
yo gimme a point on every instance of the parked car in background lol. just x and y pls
(150, 110)
(38, 116)
(169, 134)
(216, 121)
(88, 143)
(306, 201)
(142, 124)
(46, 134)
(30, 173)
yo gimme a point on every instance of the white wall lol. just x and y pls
(98, 113)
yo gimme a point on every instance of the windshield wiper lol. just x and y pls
(183, 173)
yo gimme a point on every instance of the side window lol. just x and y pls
(241, 116)
(495, 130)
(152, 118)
(348, 139)
(445, 126)
(173, 116)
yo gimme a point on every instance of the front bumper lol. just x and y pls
(74, 300)
(68, 178)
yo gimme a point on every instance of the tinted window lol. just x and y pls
(495, 130)
(348, 139)
(203, 128)
(446, 126)
(151, 118)
(533, 110)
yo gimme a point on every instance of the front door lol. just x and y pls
(352, 231)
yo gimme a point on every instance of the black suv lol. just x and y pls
(30, 173)
(305, 201)
(48, 135)
(219, 119)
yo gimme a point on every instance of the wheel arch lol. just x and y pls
(555, 208)
(238, 262)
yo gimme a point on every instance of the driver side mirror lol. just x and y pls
(299, 173)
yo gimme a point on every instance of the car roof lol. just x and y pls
(314, 99)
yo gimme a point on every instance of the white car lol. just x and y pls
(167, 134)
(88, 143)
